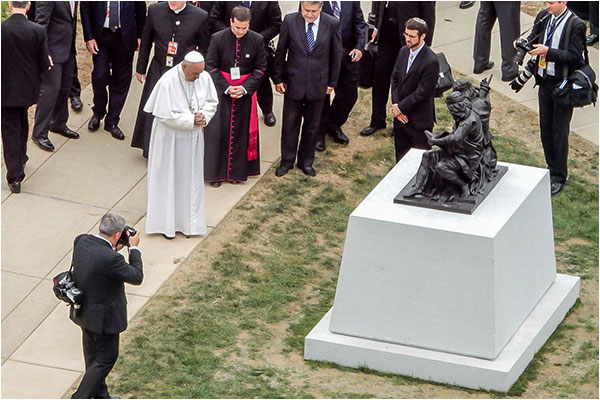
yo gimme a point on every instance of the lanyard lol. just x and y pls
(174, 24)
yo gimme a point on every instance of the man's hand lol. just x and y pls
(374, 35)
(236, 92)
(139, 41)
(199, 119)
(539, 49)
(281, 88)
(329, 90)
(140, 77)
(135, 239)
(355, 55)
(92, 46)
(398, 114)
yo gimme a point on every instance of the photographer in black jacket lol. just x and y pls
(100, 272)
(556, 50)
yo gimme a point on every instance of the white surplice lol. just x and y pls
(176, 156)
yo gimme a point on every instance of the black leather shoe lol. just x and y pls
(270, 119)
(281, 171)
(339, 137)
(555, 187)
(591, 39)
(215, 184)
(94, 123)
(43, 143)
(168, 237)
(465, 4)
(68, 133)
(15, 187)
(320, 145)
(310, 171)
(76, 104)
(115, 131)
(489, 65)
(369, 130)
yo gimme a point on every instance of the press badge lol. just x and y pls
(235, 73)
(169, 61)
(172, 48)
(542, 61)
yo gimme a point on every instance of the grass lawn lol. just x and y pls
(231, 321)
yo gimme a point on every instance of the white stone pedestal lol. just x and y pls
(461, 299)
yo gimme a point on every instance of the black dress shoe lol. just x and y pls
(339, 136)
(76, 104)
(591, 39)
(270, 119)
(489, 65)
(43, 143)
(369, 130)
(215, 184)
(465, 4)
(310, 171)
(94, 123)
(68, 133)
(15, 187)
(320, 145)
(115, 131)
(555, 187)
(281, 171)
(168, 237)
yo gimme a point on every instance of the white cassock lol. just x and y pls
(176, 156)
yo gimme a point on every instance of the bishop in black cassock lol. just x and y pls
(232, 147)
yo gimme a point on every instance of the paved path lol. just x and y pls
(66, 193)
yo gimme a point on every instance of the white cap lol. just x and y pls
(193, 57)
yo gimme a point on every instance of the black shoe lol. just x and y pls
(270, 119)
(76, 104)
(68, 133)
(215, 184)
(310, 171)
(94, 123)
(320, 145)
(465, 4)
(115, 131)
(339, 136)
(555, 187)
(591, 39)
(369, 130)
(168, 237)
(489, 65)
(15, 187)
(281, 171)
(43, 143)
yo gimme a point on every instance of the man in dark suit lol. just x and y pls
(25, 58)
(59, 18)
(353, 29)
(390, 17)
(100, 273)
(112, 31)
(413, 89)
(312, 42)
(558, 55)
(266, 20)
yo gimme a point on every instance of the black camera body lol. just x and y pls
(523, 47)
(124, 239)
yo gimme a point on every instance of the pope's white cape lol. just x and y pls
(176, 157)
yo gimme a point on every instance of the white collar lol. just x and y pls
(105, 239)
(415, 52)
(181, 9)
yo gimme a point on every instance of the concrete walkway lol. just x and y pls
(67, 191)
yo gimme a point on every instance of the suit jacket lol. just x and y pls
(308, 75)
(132, 16)
(60, 25)
(25, 58)
(266, 17)
(572, 56)
(158, 29)
(414, 92)
(100, 272)
(352, 25)
(406, 10)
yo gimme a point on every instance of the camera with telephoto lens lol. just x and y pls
(65, 290)
(523, 47)
(124, 239)
(521, 79)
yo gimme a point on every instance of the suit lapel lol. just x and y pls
(300, 25)
(323, 26)
(416, 61)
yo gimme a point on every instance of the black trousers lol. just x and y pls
(294, 111)
(15, 128)
(407, 136)
(508, 15)
(76, 87)
(100, 353)
(112, 70)
(554, 130)
(52, 108)
(335, 114)
(387, 52)
(264, 94)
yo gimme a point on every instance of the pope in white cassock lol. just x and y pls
(182, 102)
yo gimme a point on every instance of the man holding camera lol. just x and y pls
(99, 272)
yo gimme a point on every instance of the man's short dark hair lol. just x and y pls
(19, 4)
(241, 13)
(320, 3)
(417, 24)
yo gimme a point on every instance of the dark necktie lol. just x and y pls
(310, 37)
(336, 9)
(113, 16)
(551, 30)
(246, 4)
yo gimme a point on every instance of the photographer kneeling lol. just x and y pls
(99, 271)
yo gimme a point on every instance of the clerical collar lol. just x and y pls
(180, 10)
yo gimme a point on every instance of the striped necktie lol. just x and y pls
(310, 37)
(336, 9)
